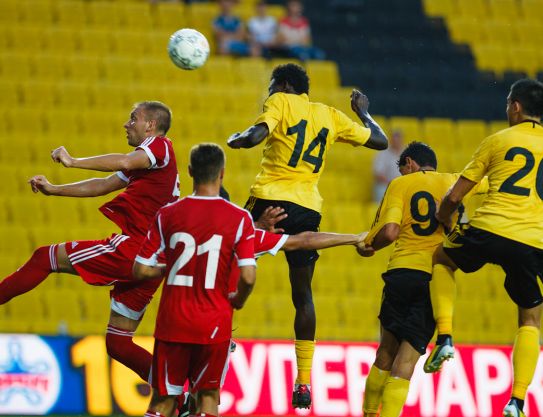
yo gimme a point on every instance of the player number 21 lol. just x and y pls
(320, 141)
(212, 246)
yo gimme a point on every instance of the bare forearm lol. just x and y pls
(87, 188)
(378, 139)
(250, 137)
(446, 209)
(105, 163)
(245, 287)
(318, 240)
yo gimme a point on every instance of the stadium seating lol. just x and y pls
(70, 71)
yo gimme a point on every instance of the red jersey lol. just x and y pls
(200, 237)
(147, 190)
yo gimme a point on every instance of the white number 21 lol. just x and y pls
(212, 246)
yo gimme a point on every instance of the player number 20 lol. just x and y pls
(212, 247)
(509, 185)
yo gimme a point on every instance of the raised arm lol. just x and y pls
(88, 188)
(105, 163)
(321, 240)
(250, 137)
(360, 105)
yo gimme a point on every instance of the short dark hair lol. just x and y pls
(155, 110)
(529, 93)
(206, 162)
(293, 74)
(419, 152)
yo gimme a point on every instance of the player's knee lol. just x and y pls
(303, 300)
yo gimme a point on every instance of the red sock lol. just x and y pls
(122, 348)
(203, 415)
(31, 274)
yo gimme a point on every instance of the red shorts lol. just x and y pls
(173, 363)
(109, 262)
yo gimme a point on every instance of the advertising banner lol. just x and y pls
(62, 375)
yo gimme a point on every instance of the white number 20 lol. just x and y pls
(212, 246)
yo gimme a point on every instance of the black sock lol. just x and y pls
(520, 402)
(441, 338)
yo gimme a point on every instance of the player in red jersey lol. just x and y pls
(149, 174)
(199, 236)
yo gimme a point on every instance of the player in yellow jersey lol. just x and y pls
(508, 227)
(298, 134)
(406, 216)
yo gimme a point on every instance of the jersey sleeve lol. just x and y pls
(157, 151)
(123, 175)
(390, 210)
(476, 169)
(349, 131)
(245, 242)
(266, 242)
(153, 244)
(273, 111)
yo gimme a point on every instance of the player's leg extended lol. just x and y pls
(397, 385)
(121, 347)
(443, 294)
(525, 356)
(161, 406)
(304, 329)
(379, 373)
(43, 261)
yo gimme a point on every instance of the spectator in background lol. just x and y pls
(230, 32)
(294, 35)
(262, 29)
(385, 165)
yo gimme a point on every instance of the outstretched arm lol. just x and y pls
(88, 188)
(250, 138)
(360, 105)
(384, 237)
(321, 240)
(105, 163)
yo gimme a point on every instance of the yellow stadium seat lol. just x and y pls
(136, 16)
(63, 123)
(527, 59)
(530, 10)
(169, 16)
(491, 57)
(497, 125)
(498, 32)
(27, 306)
(130, 44)
(323, 74)
(157, 70)
(438, 133)
(48, 67)
(39, 94)
(478, 8)
(10, 13)
(15, 233)
(469, 133)
(71, 95)
(26, 39)
(24, 121)
(505, 9)
(104, 14)
(72, 14)
(61, 40)
(109, 96)
(252, 72)
(96, 42)
(529, 33)
(219, 71)
(37, 12)
(202, 13)
(15, 67)
(465, 29)
(27, 209)
(409, 126)
(118, 69)
(84, 68)
(10, 94)
(440, 7)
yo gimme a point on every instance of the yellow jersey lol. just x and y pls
(512, 160)
(294, 156)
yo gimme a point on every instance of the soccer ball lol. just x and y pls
(188, 49)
